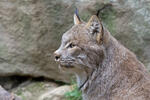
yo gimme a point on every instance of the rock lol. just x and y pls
(4, 95)
(56, 94)
(31, 90)
(11, 82)
(30, 30)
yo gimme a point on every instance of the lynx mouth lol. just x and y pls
(66, 63)
(66, 66)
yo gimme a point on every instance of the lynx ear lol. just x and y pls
(95, 28)
(76, 17)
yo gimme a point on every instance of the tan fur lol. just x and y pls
(106, 69)
(76, 20)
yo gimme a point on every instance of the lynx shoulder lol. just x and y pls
(104, 68)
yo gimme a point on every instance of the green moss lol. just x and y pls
(85, 16)
(33, 90)
(108, 17)
(19, 93)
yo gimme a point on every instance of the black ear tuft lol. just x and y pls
(76, 17)
(77, 14)
(104, 7)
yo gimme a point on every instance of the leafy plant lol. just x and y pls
(75, 94)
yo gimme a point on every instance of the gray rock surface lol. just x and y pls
(56, 94)
(34, 90)
(4, 95)
(32, 29)
(29, 31)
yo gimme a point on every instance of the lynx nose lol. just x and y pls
(57, 56)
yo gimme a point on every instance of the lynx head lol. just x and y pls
(81, 46)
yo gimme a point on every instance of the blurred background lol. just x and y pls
(31, 30)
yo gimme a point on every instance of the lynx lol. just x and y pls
(104, 68)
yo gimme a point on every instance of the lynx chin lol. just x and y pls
(104, 68)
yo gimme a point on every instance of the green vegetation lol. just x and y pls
(75, 94)
(108, 17)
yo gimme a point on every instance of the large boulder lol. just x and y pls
(33, 90)
(56, 94)
(30, 30)
(5, 95)
(37, 90)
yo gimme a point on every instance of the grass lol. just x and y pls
(75, 94)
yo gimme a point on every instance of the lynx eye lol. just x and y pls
(71, 45)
